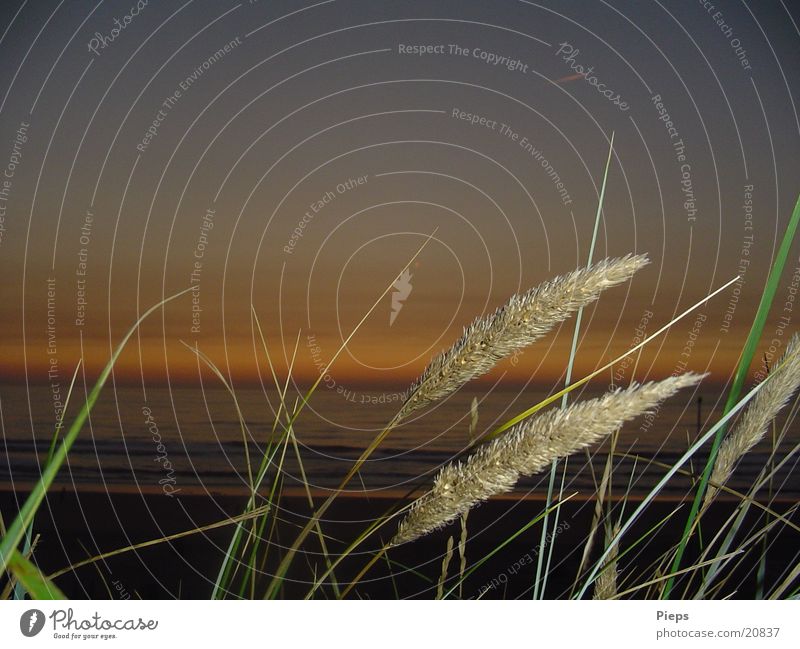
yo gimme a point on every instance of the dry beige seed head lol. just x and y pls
(526, 449)
(518, 323)
(445, 565)
(754, 424)
(605, 586)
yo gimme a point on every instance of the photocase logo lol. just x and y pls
(31, 622)
(402, 289)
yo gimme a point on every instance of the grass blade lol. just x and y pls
(554, 397)
(572, 352)
(31, 578)
(19, 590)
(738, 382)
(26, 514)
(667, 477)
(310, 525)
(163, 539)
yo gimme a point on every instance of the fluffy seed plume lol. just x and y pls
(755, 422)
(526, 449)
(516, 324)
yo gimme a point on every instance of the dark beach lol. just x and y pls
(74, 525)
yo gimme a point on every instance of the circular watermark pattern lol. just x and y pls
(267, 231)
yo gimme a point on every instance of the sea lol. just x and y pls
(200, 439)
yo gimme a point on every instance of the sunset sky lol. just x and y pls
(266, 120)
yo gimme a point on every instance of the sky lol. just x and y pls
(287, 161)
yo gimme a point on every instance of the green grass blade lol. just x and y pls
(568, 378)
(19, 590)
(672, 575)
(162, 539)
(31, 578)
(201, 356)
(26, 514)
(252, 483)
(493, 552)
(278, 481)
(742, 509)
(786, 583)
(738, 382)
(554, 397)
(54, 441)
(667, 477)
(292, 551)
